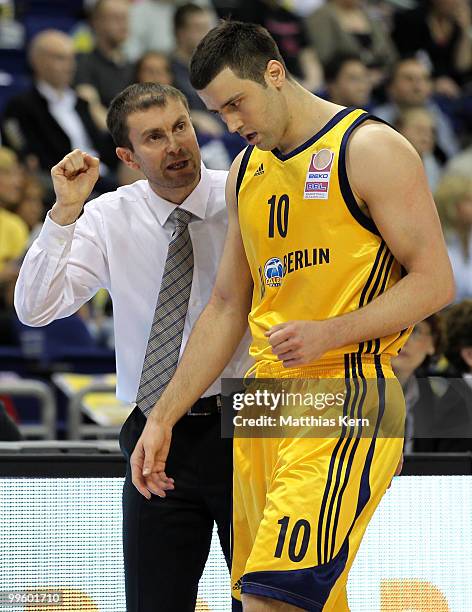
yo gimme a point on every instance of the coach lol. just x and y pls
(155, 246)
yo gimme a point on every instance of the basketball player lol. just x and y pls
(335, 240)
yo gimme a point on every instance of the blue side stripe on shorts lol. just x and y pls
(341, 462)
(350, 461)
(364, 492)
(324, 501)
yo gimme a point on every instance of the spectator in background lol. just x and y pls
(453, 198)
(50, 119)
(106, 70)
(443, 33)
(410, 85)
(347, 81)
(153, 67)
(455, 421)
(289, 32)
(151, 26)
(13, 230)
(191, 23)
(412, 366)
(418, 126)
(344, 26)
(217, 147)
(30, 207)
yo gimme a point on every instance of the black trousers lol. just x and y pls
(166, 541)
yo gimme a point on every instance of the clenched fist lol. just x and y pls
(73, 178)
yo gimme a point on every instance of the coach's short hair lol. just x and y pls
(246, 48)
(135, 98)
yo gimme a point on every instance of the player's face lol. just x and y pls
(254, 111)
(165, 146)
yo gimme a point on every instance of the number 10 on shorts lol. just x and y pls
(300, 531)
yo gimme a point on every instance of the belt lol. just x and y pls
(206, 406)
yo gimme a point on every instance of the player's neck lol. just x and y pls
(308, 114)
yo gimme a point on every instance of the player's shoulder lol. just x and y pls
(237, 170)
(376, 148)
(377, 138)
(378, 158)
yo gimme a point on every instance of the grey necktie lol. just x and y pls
(164, 342)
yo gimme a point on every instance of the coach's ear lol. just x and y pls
(127, 157)
(275, 73)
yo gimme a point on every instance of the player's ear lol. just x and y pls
(127, 157)
(275, 73)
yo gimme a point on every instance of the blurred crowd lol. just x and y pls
(409, 62)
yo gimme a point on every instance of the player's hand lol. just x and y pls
(297, 343)
(149, 457)
(73, 179)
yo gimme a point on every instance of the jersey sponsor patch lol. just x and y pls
(318, 175)
(273, 272)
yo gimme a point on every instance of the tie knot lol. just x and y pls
(180, 217)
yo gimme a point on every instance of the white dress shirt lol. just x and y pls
(120, 243)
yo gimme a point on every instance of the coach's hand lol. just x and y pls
(149, 457)
(297, 343)
(73, 179)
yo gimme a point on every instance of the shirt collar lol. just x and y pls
(196, 202)
(52, 95)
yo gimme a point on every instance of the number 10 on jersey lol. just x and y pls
(278, 215)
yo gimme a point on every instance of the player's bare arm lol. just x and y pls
(387, 175)
(211, 345)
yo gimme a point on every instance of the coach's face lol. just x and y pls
(165, 147)
(258, 113)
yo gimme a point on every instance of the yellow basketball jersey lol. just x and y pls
(312, 252)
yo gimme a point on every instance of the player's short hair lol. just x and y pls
(334, 66)
(246, 48)
(135, 98)
(458, 319)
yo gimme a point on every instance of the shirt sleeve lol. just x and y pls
(64, 267)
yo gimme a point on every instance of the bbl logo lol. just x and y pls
(273, 272)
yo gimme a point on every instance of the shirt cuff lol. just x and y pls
(53, 237)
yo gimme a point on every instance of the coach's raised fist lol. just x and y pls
(73, 178)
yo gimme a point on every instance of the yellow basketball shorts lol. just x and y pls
(301, 505)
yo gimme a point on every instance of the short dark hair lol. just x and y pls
(246, 48)
(137, 97)
(395, 68)
(183, 12)
(147, 54)
(458, 334)
(334, 66)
